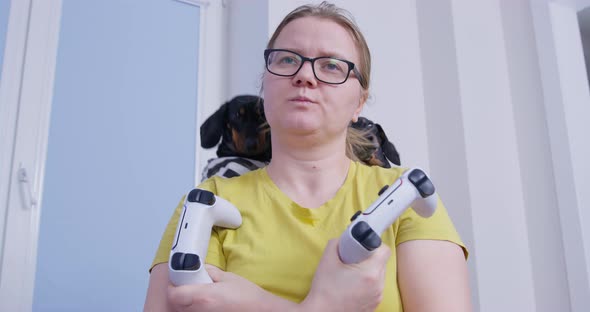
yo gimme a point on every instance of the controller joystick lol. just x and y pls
(201, 211)
(362, 236)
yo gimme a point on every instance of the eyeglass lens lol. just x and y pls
(326, 69)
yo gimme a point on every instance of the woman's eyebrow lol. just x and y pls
(336, 55)
(333, 54)
(321, 53)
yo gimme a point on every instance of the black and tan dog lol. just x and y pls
(241, 125)
(245, 137)
(381, 151)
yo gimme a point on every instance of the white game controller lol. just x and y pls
(362, 236)
(202, 210)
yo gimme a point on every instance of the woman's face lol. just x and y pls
(301, 104)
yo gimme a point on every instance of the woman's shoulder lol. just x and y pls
(377, 172)
(220, 185)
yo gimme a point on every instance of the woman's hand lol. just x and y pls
(347, 287)
(229, 292)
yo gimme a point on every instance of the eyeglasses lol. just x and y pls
(326, 69)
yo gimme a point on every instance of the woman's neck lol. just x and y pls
(309, 175)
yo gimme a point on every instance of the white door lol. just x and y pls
(111, 159)
(121, 149)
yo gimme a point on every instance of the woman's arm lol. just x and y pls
(335, 287)
(156, 299)
(432, 276)
(230, 292)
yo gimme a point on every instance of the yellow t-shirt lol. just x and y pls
(280, 243)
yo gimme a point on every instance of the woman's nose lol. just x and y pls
(305, 76)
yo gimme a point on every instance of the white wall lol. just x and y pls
(445, 119)
(565, 92)
(497, 108)
(534, 155)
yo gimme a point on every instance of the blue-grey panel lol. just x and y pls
(4, 11)
(121, 149)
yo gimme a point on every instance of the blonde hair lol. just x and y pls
(357, 143)
(355, 139)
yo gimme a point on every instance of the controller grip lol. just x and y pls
(187, 259)
(357, 243)
(362, 236)
(202, 210)
(186, 269)
(425, 207)
(225, 214)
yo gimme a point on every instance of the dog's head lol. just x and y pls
(242, 127)
(381, 150)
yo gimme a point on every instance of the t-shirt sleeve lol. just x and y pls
(437, 227)
(214, 254)
(163, 251)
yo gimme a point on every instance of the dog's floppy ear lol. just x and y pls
(387, 147)
(260, 107)
(212, 128)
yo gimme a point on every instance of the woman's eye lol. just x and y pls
(288, 60)
(332, 65)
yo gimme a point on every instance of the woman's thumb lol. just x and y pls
(216, 274)
(382, 254)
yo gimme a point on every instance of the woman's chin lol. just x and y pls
(300, 123)
(303, 128)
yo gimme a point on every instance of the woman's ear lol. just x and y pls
(364, 96)
(357, 112)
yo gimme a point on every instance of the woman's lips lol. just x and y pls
(301, 99)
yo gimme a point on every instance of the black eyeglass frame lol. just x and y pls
(351, 66)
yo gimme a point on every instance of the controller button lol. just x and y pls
(365, 235)
(185, 262)
(176, 261)
(383, 189)
(201, 196)
(421, 182)
(355, 215)
(192, 262)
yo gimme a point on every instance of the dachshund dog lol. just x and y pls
(245, 137)
(381, 151)
(241, 125)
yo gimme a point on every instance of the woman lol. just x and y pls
(284, 256)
